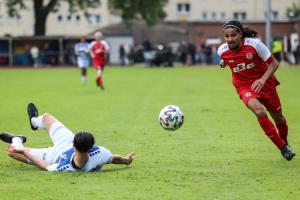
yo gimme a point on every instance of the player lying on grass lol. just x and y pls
(253, 67)
(71, 152)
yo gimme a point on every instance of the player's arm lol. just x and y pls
(222, 63)
(107, 51)
(35, 160)
(258, 84)
(92, 54)
(117, 159)
(76, 51)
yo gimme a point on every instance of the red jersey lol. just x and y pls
(249, 63)
(98, 50)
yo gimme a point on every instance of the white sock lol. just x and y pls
(83, 79)
(38, 122)
(99, 72)
(17, 142)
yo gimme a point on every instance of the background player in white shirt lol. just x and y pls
(83, 59)
(71, 152)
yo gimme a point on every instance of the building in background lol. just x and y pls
(59, 23)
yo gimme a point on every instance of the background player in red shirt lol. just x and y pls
(98, 50)
(253, 67)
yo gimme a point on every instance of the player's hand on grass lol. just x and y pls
(257, 85)
(13, 149)
(222, 63)
(130, 158)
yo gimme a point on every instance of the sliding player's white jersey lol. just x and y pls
(98, 156)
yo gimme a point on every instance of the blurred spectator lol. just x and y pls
(68, 54)
(46, 55)
(208, 54)
(169, 55)
(130, 55)
(34, 50)
(28, 55)
(192, 52)
(157, 60)
(147, 52)
(202, 53)
(276, 50)
(183, 50)
(215, 58)
(122, 54)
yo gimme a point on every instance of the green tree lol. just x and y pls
(150, 11)
(294, 11)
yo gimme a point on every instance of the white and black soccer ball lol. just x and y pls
(171, 118)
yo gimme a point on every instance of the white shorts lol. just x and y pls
(62, 139)
(83, 63)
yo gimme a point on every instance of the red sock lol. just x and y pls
(270, 131)
(283, 130)
(100, 81)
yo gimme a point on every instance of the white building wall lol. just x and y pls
(254, 9)
(25, 26)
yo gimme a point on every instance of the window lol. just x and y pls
(213, 16)
(204, 16)
(94, 20)
(1, 19)
(274, 15)
(183, 8)
(69, 18)
(19, 19)
(223, 16)
(240, 16)
(77, 18)
(59, 18)
(10, 19)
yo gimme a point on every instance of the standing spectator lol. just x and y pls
(67, 54)
(46, 55)
(81, 49)
(169, 55)
(147, 52)
(202, 53)
(130, 55)
(183, 50)
(28, 55)
(122, 54)
(276, 50)
(34, 50)
(192, 53)
(208, 54)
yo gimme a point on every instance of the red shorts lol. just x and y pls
(269, 98)
(98, 65)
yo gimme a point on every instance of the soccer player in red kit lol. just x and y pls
(253, 67)
(98, 50)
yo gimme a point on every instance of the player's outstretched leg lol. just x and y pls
(9, 138)
(32, 112)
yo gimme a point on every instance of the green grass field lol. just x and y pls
(220, 152)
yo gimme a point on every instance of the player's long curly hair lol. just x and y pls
(248, 31)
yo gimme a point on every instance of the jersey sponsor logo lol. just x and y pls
(231, 61)
(242, 66)
(249, 55)
(248, 94)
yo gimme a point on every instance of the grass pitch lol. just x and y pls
(220, 152)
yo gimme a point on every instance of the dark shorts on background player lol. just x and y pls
(269, 98)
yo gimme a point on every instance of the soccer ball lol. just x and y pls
(171, 117)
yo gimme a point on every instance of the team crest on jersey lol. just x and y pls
(249, 56)
(248, 94)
